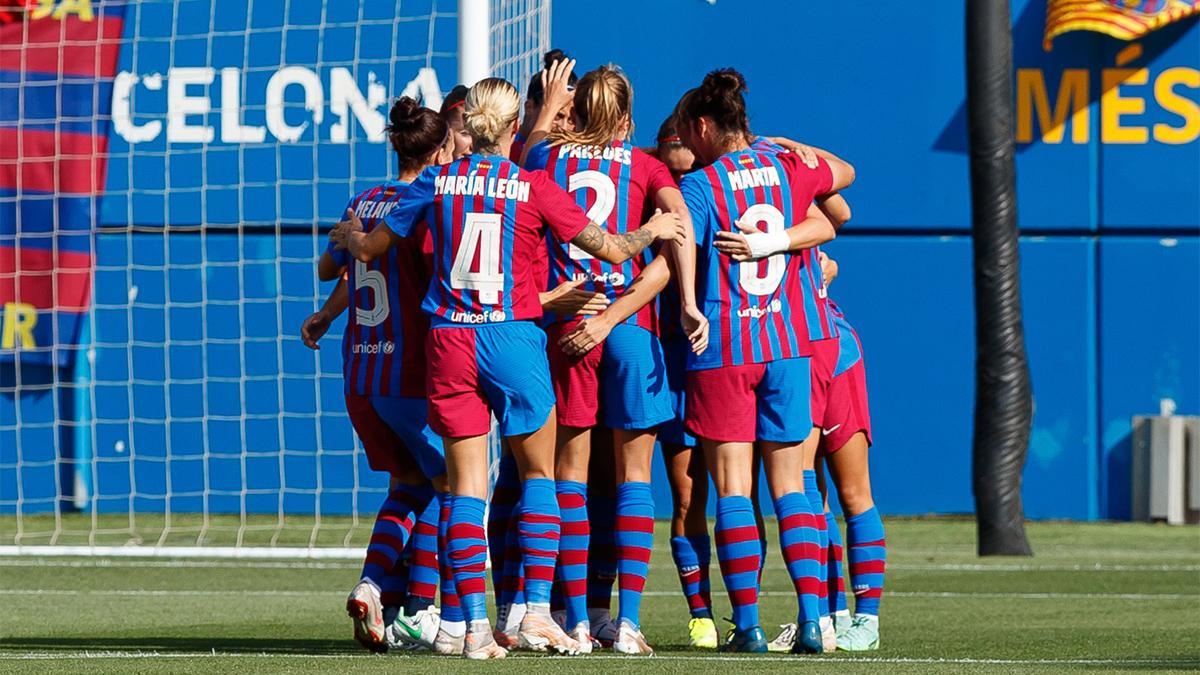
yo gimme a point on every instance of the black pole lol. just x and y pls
(1003, 402)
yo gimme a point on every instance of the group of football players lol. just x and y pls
(532, 273)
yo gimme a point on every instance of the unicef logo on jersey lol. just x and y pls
(369, 349)
(776, 305)
(496, 316)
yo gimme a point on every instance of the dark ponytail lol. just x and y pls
(416, 132)
(719, 98)
(535, 92)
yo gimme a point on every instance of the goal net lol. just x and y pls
(158, 401)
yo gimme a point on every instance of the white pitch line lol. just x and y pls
(313, 565)
(132, 592)
(809, 661)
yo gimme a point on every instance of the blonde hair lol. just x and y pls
(603, 100)
(492, 106)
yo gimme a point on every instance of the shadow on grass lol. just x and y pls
(274, 645)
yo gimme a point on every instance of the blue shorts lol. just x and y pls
(408, 418)
(759, 402)
(498, 367)
(627, 374)
(673, 431)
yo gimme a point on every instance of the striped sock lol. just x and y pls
(393, 589)
(467, 549)
(635, 539)
(393, 525)
(602, 552)
(452, 611)
(833, 567)
(738, 552)
(573, 549)
(817, 504)
(798, 540)
(505, 496)
(867, 550)
(424, 575)
(692, 556)
(538, 528)
(512, 579)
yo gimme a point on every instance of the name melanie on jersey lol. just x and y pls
(482, 186)
(742, 179)
(369, 209)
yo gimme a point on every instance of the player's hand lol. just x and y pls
(804, 152)
(829, 268)
(314, 328)
(735, 244)
(556, 83)
(695, 326)
(588, 334)
(567, 299)
(341, 233)
(666, 226)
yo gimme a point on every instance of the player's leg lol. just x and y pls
(576, 391)
(866, 546)
(602, 549)
(415, 623)
(788, 443)
(418, 624)
(571, 462)
(834, 581)
(505, 495)
(408, 495)
(721, 405)
(459, 412)
(691, 547)
(516, 379)
(637, 399)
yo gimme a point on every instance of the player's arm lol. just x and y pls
(843, 171)
(836, 209)
(365, 246)
(683, 263)
(754, 244)
(618, 248)
(592, 331)
(317, 324)
(567, 299)
(328, 268)
(556, 85)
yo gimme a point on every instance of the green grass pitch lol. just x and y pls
(1096, 598)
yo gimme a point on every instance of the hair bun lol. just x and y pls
(725, 81)
(404, 113)
(553, 56)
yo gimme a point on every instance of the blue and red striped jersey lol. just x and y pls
(759, 311)
(849, 347)
(487, 217)
(383, 350)
(616, 185)
(826, 328)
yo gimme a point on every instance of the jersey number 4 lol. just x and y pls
(480, 239)
(748, 272)
(602, 208)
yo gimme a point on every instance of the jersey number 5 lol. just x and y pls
(748, 272)
(372, 279)
(602, 208)
(480, 238)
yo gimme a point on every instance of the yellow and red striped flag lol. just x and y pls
(1122, 19)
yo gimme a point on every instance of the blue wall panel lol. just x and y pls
(1149, 346)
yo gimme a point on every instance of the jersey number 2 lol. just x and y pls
(602, 208)
(481, 235)
(748, 276)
